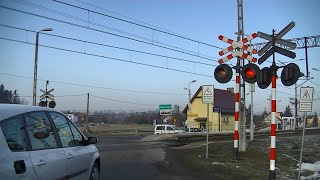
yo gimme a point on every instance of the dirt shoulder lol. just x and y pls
(253, 164)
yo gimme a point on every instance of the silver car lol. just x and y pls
(42, 143)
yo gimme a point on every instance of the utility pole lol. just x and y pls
(87, 119)
(46, 93)
(242, 135)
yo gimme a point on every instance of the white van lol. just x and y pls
(167, 129)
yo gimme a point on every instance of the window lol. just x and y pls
(40, 131)
(160, 127)
(170, 128)
(68, 133)
(77, 136)
(63, 128)
(14, 132)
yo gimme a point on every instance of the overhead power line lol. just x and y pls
(98, 87)
(126, 17)
(126, 102)
(107, 57)
(106, 27)
(110, 46)
(194, 54)
(137, 24)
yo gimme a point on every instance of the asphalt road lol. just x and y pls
(124, 157)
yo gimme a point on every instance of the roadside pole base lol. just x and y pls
(235, 153)
(272, 174)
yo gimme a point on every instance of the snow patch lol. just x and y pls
(310, 167)
(217, 163)
(315, 176)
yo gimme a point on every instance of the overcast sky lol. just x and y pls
(127, 80)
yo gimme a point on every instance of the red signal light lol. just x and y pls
(250, 73)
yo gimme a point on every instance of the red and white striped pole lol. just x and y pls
(236, 118)
(272, 172)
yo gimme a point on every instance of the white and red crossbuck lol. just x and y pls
(237, 44)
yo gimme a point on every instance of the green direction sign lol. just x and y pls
(165, 109)
(165, 106)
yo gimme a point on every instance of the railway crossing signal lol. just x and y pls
(223, 73)
(45, 96)
(264, 79)
(290, 74)
(237, 53)
(250, 73)
(276, 39)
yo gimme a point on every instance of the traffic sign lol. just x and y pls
(278, 41)
(165, 109)
(305, 107)
(306, 99)
(237, 44)
(278, 50)
(306, 94)
(216, 109)
(50, 91)
(276, 38)
(207, 94)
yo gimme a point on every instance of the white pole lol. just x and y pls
(302, 143)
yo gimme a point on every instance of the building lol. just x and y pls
(221, 113)
(72, 117)
(267, 121)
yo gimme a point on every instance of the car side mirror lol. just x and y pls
(91, 140)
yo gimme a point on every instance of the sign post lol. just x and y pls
(306, 98)
(207, 98)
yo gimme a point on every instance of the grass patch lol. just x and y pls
(252, 164)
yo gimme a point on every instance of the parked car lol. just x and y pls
(42, 143)
(167, 129)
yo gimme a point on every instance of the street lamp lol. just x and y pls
(34, 103)
(189, 104)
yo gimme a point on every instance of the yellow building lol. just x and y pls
(221, 113)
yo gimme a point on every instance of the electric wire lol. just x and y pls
(106, 27)
(110, 58)
(126, 102)
(105, 32)
(110, 46)
(97, 87)
(130, 22)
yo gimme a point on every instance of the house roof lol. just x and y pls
(222, 98)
